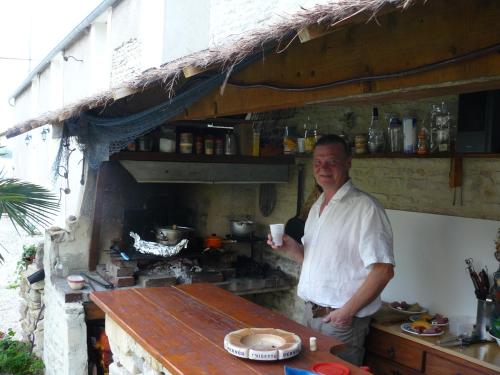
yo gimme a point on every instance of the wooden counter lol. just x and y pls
(485, 355)
(183, 327)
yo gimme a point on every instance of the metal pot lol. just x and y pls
(241, 228)
(172, 235)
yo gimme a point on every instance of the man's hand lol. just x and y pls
(339, 318)
(290, 246)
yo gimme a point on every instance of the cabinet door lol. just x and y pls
(396, 349)
(436, 365)
(381, 366)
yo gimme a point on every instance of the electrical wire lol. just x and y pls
(402, 73)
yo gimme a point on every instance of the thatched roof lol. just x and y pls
(225, 56)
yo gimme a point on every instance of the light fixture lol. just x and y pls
(27, 140)
(45, 132)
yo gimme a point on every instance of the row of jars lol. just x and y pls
(187, 141)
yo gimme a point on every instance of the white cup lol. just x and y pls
(277, 231)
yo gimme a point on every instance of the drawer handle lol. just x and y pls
(391, 352)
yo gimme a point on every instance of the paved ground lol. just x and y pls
(11, 248)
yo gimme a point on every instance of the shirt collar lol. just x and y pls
(344, 189)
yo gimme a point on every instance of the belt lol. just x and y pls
(320, 311)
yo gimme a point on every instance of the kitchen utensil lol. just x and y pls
(295, 226)
(475, 278)
(267, 199)
(172, 235)
(104, 284)
(241, 228)
(213, 242)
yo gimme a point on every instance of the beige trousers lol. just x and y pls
(352, 336)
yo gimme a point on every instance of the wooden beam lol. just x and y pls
(312, 32)
(418, 37)
(190, 71)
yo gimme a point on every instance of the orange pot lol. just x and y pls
(213, 241)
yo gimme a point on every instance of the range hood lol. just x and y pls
(206, 173)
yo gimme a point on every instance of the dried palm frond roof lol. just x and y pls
(224, 56)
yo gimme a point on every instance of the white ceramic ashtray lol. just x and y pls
(75, 281)
(262, 344)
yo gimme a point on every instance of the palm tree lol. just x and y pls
(27, 205)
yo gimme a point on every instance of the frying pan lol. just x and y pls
(294, 227)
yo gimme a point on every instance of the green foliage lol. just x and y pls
(29, 252)
(16, 357)
(27, 205)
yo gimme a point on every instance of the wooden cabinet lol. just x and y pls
(388, 354)
(396, 349)
(439, 365)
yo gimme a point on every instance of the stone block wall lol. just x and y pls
(65, 348)
(125, 61)
(129, 358)
(32, 310)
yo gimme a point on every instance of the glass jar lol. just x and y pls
(360, 144)
(422, 148)
(219, 145)
(186, 143)
(167, 139)
(209, 144)
(395, 134)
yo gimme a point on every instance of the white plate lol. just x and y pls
(406, 311)
(262, 344)
(407, 328)
(416, 317)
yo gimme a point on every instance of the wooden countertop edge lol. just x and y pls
(390, 328)
(154, 353)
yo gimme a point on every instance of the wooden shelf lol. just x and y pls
(191, 158)
(416, 156)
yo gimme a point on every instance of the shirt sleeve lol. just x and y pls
(376, 240)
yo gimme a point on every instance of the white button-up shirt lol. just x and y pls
(340, 245)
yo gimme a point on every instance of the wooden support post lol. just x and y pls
(97, 218)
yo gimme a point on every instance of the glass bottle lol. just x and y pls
(256, 140)
(422, 148)
(409, 135)
(289, 142)
(59, 268)
(309, 138)
(376, 140)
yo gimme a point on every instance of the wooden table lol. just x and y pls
(183, 327)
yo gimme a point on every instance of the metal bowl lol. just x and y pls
(172, 235)
(241, 228)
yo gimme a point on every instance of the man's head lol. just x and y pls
(331, 162)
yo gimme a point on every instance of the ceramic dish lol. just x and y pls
(414, 318)
(407, 309)
(262, 344)
(406, 327)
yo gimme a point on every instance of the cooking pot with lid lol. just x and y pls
(241, 228)
(172, 235)
(213, 242)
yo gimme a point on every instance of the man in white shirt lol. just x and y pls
(346, 252)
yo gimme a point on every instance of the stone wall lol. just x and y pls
(129, 358)
(32, 307)
(125, 61)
